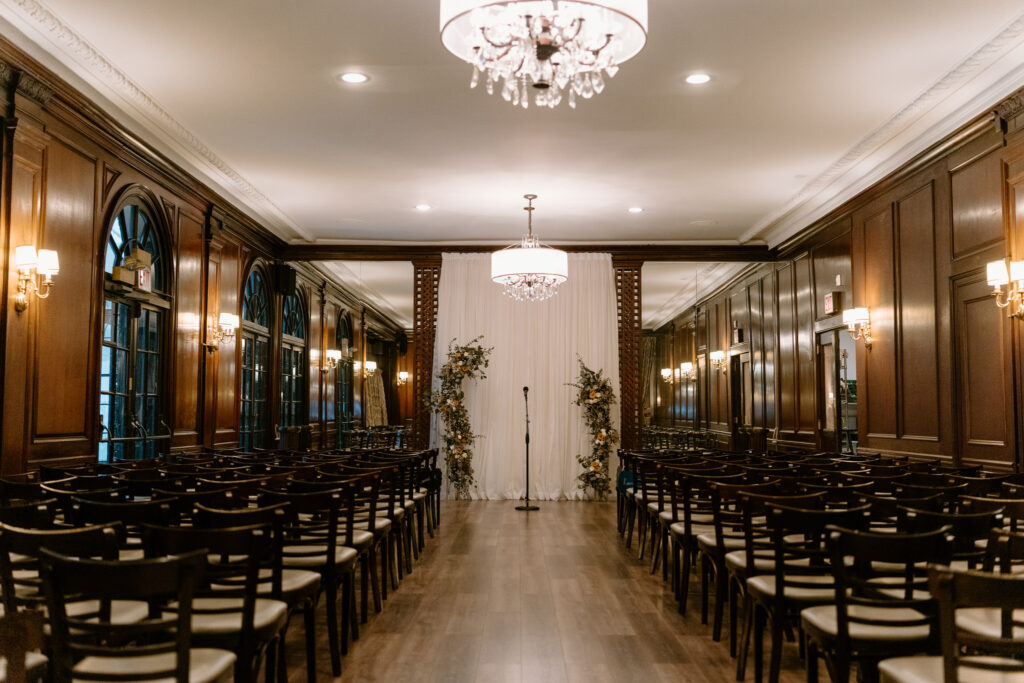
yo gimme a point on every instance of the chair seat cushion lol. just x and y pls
(929, 670)
(737, 561)
(294, 582)
(679, 529)
(269, 616)
(764, 585)
(206, 665)
(313, 556)
(824, 619)
(986, 621)
(709, 541)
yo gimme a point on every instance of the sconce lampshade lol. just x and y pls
(998, 275)
(25, 257)
(686, 368)
(371, 366)
(228, 321)
(48, 263)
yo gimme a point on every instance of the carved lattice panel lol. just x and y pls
(426, 278)
(627, 293)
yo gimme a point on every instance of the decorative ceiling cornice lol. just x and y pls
(156, 119)
(26, 84)
(830, 188)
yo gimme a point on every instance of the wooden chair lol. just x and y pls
(967, 656)
(227, 610)
(311, 533)
(298, 588)
(93, 647)
(882, 607)
(801, 575)
(967, 530)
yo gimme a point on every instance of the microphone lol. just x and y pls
(525, 390)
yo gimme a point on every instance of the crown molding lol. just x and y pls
(132, 106)
(988, 75)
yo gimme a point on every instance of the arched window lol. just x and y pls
(136, 302)
(343, 390)
(255, 361)
(293, 359)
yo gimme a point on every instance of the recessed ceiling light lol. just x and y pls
(353, 77)
(636, 209)
(423, 207)
(698, 78)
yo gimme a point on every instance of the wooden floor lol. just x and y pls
(552, 595)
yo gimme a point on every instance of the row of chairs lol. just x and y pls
(766, 532)
(251, 539)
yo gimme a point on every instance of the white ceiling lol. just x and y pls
(669, 288)
(810, 101)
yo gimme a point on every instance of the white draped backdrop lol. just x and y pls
(535, 345)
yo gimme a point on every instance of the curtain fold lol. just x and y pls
(535, 345)
(376, 404)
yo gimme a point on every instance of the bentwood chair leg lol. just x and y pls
(744, 644)
(309, 618)
(346, 607)
(333, 638)
(375, 582)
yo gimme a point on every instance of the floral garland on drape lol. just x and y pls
(464, 362)
(596, 396)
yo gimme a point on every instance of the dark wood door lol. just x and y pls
(829, 403)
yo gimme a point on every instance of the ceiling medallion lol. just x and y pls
(530, 271)
(556, 49)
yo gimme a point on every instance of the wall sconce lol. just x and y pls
(331, 359)
(666, 375)
(367, 370)
(403, 378)
(224, 332)
(687, 371)
(999, 275)
(858, 321)
(35, 274)
(718, 360)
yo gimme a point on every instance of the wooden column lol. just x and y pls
(627, 295)
(426, 278)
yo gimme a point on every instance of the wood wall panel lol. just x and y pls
(986, 411)
(786, 353)
(65, 323)
(977, 205)
(188, 303)
(807, 413)
(918, 348)
(879, 362)
(226, 293)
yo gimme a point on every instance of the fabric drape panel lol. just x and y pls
(648, 354)
(376, 404)
(535, 345)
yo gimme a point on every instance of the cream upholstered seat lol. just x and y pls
(206, 665)
(825, 619)
(987, 621)
(219, 616)
(929, 670)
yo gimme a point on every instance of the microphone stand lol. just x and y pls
(527, 507)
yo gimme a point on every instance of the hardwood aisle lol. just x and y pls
(553, 595)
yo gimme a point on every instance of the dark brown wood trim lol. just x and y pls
(638, 252)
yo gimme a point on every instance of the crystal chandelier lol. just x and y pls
(530, 271)
(556, 49)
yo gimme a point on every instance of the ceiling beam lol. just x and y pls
(641, 252)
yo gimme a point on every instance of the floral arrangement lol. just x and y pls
(464, 362)
(595, 395)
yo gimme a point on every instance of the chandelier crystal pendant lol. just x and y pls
(530, 271)
(555, 49)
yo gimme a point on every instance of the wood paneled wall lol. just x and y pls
(944, 373)
(67, 169)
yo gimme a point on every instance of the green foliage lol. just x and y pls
(596, 396)
(464, 362)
